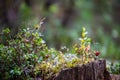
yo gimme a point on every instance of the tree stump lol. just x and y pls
(95, 70)
(91, 71)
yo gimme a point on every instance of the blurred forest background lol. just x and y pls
(65, 19)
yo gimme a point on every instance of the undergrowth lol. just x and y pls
(27, 56)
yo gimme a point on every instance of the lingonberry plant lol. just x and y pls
(83, 49)
(114, 68)
(20, 55)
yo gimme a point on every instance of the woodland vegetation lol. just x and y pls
(48, 38)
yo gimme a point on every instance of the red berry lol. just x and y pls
(97, 53)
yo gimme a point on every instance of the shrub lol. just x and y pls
(19, 56)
